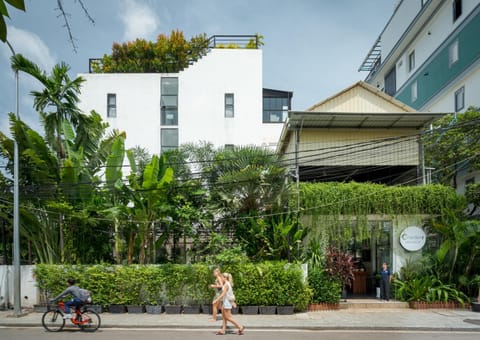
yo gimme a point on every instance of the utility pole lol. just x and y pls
(17, 307)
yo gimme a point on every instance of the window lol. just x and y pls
(391, 82)
(414, 91)
(169, 139)
(229, 147)
(169, 101)
(459, 99)
(111, 105)
(453, 53)
(229, 105)
(457, 9)
(411, 61)
(275, 110)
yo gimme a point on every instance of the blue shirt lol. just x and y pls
(385, 273)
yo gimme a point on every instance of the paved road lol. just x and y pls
(155, 334)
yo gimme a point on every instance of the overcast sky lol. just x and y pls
(312, 47)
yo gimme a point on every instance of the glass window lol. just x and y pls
(453, 53)
(229, 105)
(457, 9)
(391, 82)
(169, 139)
(169, 101)
(275, 109)
(411, 61)
(111, 105)
(460, 99)
(414, 91)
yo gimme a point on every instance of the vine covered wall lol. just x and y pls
(345, 211)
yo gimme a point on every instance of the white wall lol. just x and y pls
(202, 87)
(28, 288)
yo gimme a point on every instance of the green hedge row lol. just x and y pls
(268, 283)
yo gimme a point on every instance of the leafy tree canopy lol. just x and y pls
(453, 145)
(168, 54)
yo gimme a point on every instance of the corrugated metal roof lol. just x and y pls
(322, 120)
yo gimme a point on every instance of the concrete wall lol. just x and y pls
(29, 290)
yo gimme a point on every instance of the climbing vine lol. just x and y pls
(343, 209)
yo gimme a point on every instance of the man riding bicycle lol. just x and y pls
(80, 296)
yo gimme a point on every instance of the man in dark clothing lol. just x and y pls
(386, 278)
(77, 295)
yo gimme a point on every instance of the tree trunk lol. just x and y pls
(131, 246)
(116, 251)
(62, 239)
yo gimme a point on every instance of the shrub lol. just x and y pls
(324, 287)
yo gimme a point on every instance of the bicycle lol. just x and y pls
(87, 319)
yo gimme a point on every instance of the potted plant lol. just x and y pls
(340, 267)
(326, 291)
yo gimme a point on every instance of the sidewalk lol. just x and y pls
(358, 319)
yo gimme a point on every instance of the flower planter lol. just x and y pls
(207, 308)
(194, 309)
(154, 309)
(250, 310)
(135, 309)
(436, 305)
(316, 307)
(117, 309)
(476, 307)
(173, 309)
(285, 310)
(267, 310)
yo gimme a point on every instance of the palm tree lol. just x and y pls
(57, 102)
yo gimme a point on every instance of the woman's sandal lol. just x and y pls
(220, 333)
(240, 331)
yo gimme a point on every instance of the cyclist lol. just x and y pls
(78, 294)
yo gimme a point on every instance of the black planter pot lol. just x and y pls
(285, 310)
(173, 309)
(135, 309)
(267, 310)
(96, 308)
(234, 310)
(194, 309)
(207, 308)
(154, 309)
(117, 309)
(344, 294)
(250, 310)
(476, 307)
(40, 308)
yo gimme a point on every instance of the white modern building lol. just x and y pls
(217, 99)
(428, 57)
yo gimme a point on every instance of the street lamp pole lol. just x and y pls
(17, 307)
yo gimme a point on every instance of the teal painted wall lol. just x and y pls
(436, 73)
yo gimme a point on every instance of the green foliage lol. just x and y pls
(341, 209)
(427, 288)
(453, 144)
(324, 287)
(18, 4)
(266, 283)
(168, 54)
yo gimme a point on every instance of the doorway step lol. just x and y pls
(372, 304)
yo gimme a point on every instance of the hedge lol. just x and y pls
(268, 283)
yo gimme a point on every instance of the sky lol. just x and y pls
(311, 47)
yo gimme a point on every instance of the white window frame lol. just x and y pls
(111, 108)
(411, 61)
(414, 91)
(229, 108)
(459, 94)
(453, 53)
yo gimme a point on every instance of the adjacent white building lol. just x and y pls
(428, 57)
(218, 99)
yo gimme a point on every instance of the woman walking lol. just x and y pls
(218, 286)
(228, 300)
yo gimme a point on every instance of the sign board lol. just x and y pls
(413, 238)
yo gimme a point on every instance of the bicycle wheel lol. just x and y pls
(53, 320)
(90, 321)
